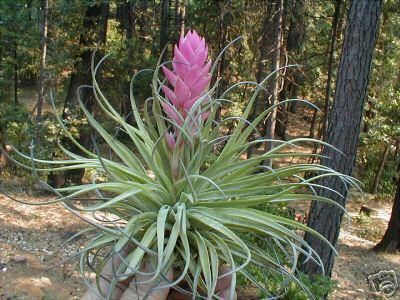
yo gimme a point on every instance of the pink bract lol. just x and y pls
(189, 78)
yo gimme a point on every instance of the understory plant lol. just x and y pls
(180, 194)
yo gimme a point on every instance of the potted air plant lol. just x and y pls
(183, 196)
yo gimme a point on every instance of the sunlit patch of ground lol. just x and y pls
(29, 236)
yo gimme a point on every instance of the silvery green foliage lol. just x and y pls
(190, 221)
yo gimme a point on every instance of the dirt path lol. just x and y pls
(356, 261)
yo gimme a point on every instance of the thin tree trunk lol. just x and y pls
(131, 20)
(164, 26)
(344, 128)
(95, 21)
(261, 63)
(313, 124)
(43, 50)
(380, 170)
(336, 15)
(142, 22)
(15, 71)
(274, 86)
(126, 14)
(182, 17)
(294, 41)
(391, 239)
(322, 128)
(224, 23)
(179, 21)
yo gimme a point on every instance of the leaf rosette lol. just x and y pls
(183, 197)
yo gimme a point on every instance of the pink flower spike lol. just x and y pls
(172, 114)
(189, 78)
(170, 95)
(204, 71)
(194, 76)
(194, 40)
(188, 52)
(200, 86)
(180, 64)
(170, 75)
(182, 92)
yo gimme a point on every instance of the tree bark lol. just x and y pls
(125, 14)
(94, 31)
(15, 71)
(391, 239)
(179, 22)
(274, 86)
(380, 170)
(224, 23)
(323, 127)
(344, 127)
(294, 43)
(182, 17)
(43, 50)
(131, 20)
(225, 20)
(327, 106)
(261, 63)
(164, 26)
(312, 127)
(141, 20)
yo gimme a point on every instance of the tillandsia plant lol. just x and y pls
(180, 195)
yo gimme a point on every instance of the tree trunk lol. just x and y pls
(125, 14)
(179, 22)
(380, 170)
(261, 63)
(312, 126)
(225, 21)
(322, 128)
(164, 26)
(274, 86)
(142, 22)
(344, 127)
(391, 239)
(182, 17)
(294, 43)
(336, 15)
(281, 116)
(95, 31)
(131, 20)
(43, 50)
(95, 21)
(15, 71)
